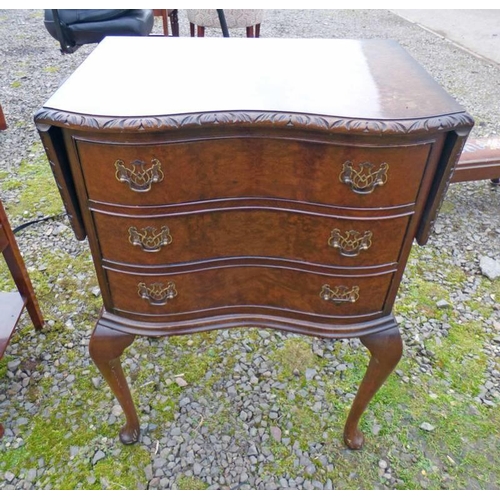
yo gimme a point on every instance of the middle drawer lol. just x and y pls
(250, 232)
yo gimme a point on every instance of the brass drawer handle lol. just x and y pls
(351, 243)
(365, 178)
(139, 177)
(157, 294)
(149, 238)
(339, 294)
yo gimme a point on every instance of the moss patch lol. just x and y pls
(295, 356)
(38, 189)
(190, 483)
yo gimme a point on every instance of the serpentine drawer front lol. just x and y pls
(252, 287)
(251, 198)
(206, 233)
(304, 170)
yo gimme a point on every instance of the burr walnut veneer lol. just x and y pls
(282, 190)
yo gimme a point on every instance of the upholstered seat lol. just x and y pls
(250, 19)
(77, 27)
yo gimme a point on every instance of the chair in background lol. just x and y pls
(251, 19)
(73, 28)
(13, 303)
(167, 14)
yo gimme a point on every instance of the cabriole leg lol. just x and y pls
(385, 349)
(106, 346)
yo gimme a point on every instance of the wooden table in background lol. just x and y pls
(13, 303)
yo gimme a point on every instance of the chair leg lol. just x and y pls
(174, 22)
(191, 29)
(201, 31)
(164, 17)
(257, 30)
(249, 31)
(3, 123)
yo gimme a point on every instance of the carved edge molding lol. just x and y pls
(253, 119)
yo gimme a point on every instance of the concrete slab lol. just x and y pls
(476, 30)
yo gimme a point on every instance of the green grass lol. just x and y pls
(52, 439)
(3, 366)
(38, 191)
(190, 483)
(460, 358)
(295, 356)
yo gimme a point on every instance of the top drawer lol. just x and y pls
(169, 173)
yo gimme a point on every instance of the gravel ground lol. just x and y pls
(235, 457)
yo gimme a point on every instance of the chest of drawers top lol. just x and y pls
(154, 76)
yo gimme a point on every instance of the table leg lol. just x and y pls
(385, 349)
(106, 346)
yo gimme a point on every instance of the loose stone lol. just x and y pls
(426, 426)
(99, 455)
(490, 267)
(276, 433)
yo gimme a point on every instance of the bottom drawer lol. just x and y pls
(245, 289)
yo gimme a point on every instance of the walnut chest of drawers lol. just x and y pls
(283, 189)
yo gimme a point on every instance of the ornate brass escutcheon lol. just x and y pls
(351, 243)
(157, 294)
(365, 178)
(139, 177)
(339, 294)
(149, 238)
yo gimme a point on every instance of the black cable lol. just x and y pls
(223, 23)
(31, 222)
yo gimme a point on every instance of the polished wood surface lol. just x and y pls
(105, 347)
(368, 79)
(386, 349)
(235, 229)
(261, 199)
(254, 288)
(253, 167)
